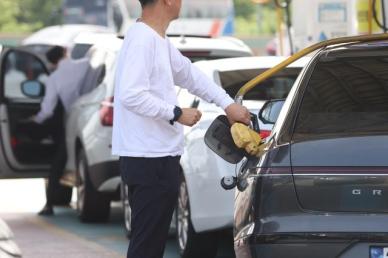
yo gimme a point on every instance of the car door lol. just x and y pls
(25, 149)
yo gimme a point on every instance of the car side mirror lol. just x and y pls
(32, 88)
(270, 111)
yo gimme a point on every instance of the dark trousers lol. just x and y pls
(153, 185)
(56, 171)
(56, 128)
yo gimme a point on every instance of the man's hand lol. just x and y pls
(190, 116)
(237, 113)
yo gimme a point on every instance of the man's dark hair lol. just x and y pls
(55, 54)
(146, 2)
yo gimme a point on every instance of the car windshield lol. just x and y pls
(276, 87)
(345, 96)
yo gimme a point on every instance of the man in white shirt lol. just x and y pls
(148, 124)
(63, 88)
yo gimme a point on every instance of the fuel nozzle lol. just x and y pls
(229, 182)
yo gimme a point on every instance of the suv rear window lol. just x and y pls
(276, 87)
(80, 50)
(345, 96)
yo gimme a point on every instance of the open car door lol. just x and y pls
(25, 149)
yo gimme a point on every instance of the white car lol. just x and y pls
(90, 165)
(203, 206)
(63, 35)
(205, 48)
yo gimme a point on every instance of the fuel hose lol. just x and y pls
(383, 24)
(286, 4)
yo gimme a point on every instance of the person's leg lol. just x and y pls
(55, 126)
(56, 171)
(153, 185)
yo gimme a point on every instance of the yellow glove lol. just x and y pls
(246, 138)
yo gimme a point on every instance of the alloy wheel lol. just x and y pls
(183, 216)
(80, 186)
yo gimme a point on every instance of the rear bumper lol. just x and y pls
(317, 245)
(105, 176)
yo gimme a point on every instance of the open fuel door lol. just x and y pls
(25, 149)
(219, 139)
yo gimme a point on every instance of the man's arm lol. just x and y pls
(134, 85)
(188, 76)
(49, 102)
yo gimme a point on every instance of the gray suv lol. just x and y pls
(319, 189)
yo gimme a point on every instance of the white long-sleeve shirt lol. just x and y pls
(148, 69)
(64, 84)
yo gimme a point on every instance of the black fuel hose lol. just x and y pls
(382, 25)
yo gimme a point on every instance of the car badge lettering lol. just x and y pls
(375, 192)
(356, 192)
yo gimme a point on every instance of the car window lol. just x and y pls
(96, 71)
(19, 67)
(276, 87)
(80, 50)
(345, 96)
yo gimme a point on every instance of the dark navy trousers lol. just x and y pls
(153, 185)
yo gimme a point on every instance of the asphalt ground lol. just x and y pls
(63, 235)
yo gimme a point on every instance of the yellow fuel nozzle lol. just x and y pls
(247, 139)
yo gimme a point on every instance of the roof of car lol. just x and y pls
(244, 63)
(62, 35)
(102, 40)
(222, 44)
(109, 43)
(227, 46)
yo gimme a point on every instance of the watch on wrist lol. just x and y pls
(177, 114)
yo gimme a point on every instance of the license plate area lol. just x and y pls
(378, 252)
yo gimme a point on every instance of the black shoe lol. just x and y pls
(47, 211)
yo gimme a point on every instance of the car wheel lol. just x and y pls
(92, 206)
(127, 209)
(190, 243)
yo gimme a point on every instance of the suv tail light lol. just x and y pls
(106, 112)
(264, 133)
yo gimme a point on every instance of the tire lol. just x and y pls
(92, 206)
(126, 210)
(63, 195)
(190, 243)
